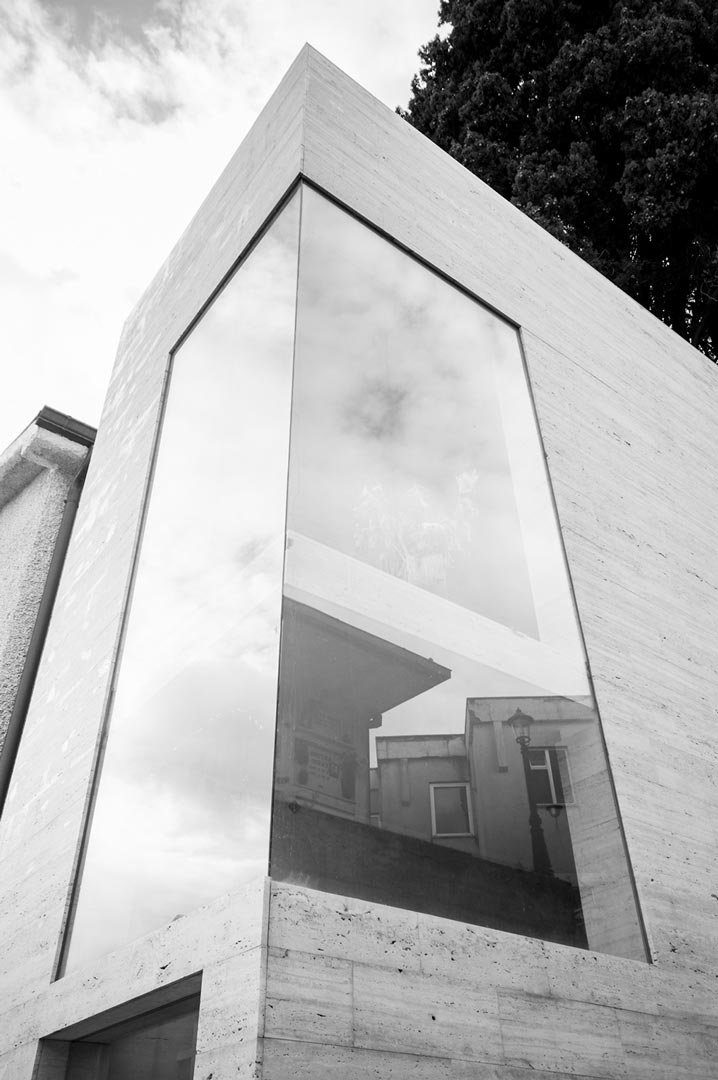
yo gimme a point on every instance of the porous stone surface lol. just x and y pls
(36, 473)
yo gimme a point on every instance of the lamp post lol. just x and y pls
(521, 723)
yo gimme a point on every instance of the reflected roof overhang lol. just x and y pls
(354, 670)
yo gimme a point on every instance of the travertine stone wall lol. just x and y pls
(629, 421)
(358, 989)
(222, 943)
(629, 418)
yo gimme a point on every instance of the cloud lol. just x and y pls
(69, 85)
(112, 142)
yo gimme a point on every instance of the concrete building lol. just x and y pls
(374, 731)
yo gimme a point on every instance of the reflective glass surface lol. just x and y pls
(183, 800)
(156, 1046)
(438, 747)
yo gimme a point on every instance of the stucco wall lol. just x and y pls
(36, 473)
(28, 528)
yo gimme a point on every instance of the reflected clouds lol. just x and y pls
(182, 804)
(395, 372)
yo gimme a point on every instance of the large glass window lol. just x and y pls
(434, 697)
(437, 744)
(183, 799)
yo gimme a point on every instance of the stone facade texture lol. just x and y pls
(298, 983)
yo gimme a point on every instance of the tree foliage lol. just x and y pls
(599, 119)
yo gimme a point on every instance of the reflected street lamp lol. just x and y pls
(521, 723)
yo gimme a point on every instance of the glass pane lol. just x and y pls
(158, 1046)
(182, 806)
(540, 779)
(451, 811)
(429, 635)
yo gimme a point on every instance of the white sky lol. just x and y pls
(117, 116)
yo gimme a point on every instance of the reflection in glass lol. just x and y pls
(156, 1046)
(438, 747)
(450, 810)
(182, 806)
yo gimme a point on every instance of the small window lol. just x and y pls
(550, 775)
(451, 810)
(159, 1045)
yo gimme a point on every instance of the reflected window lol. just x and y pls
(433, 685)
(550, 777)
(450, 809)
(160, 1045)
(182, 804)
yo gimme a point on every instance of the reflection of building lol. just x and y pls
(339, 682)
(426, 867)
(469, 791)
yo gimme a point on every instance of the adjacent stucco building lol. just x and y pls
(41, 477)
(391, 497)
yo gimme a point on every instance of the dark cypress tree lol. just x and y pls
(599, 119)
